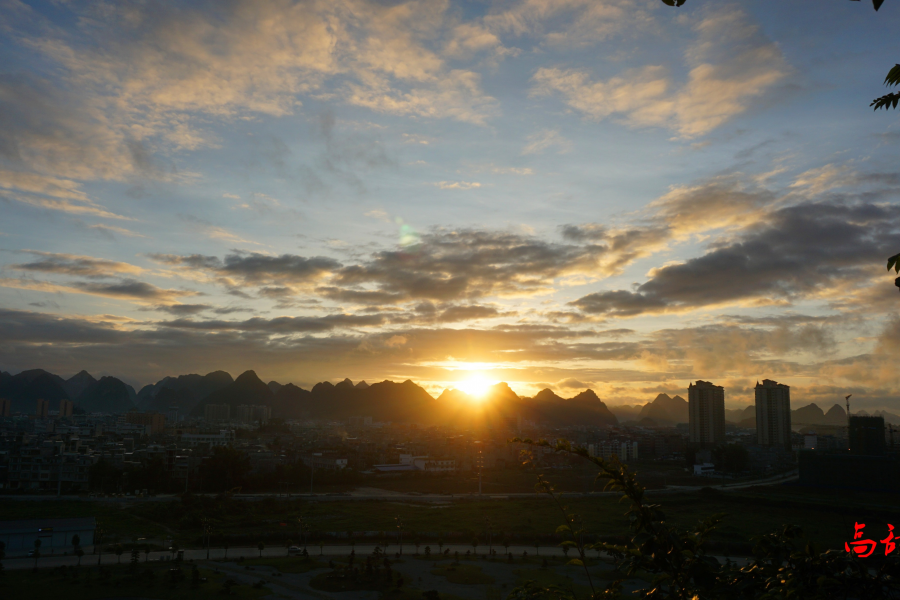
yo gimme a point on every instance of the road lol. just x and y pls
(90, 560)
(415, 496)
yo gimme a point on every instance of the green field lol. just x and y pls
(149, 581)
(827, 517)
(463, 574)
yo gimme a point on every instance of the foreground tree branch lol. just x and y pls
(781, 566)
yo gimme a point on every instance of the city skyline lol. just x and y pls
(617, 196)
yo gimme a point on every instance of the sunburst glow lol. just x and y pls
(476, 385)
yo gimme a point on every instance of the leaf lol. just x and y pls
(877, 3)
(894, 262)
(893, 76)
(886, 101)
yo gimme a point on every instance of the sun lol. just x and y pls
(475, 385)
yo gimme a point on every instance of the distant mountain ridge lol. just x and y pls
(663, 410)
(383, 401)
(183, 392)
(106, 395)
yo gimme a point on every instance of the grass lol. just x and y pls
(463, 574)
(286, 564)
(49, 584)
(335, 581)
(826, 516)
(124, 524)
(549, 577)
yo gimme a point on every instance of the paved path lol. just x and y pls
(364, 494)
(48, 561)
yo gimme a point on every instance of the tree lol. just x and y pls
(98, 542)
(260, 546)
(475, 542)
(505, 543)
(37, 552)
(399, 522)
(441, 543)
(146, 552)
(781, 567)
(894, 262)
(76, 547)
(889, 100)
(876, 3)
(118, 551)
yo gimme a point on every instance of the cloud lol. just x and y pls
(546, 139)
(469, 313)
(52, 193)
(254, 269)
(568, 23)
(75, 265)
(131, 289)
(731, 64)
(281, 325)
(180, 310)
(128, 289)
(261, 56)
(726, 202)
(795, 252)
(457, 185)
(109, 230)
(216, 232)
(573, 384)
(468, 264)
(132, 85)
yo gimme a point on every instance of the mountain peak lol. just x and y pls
(546, 395)
(361, 385)
(248, 377)
(587, 394)
(346, 384)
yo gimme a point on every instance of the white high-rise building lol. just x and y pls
(706, 413)
(773, 414)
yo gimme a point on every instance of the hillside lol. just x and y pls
(246, 389)
(107, 395)
(26, 387)
(665, 410)
(183, 392)
(79, 382)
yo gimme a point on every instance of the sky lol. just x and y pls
(616, 195)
